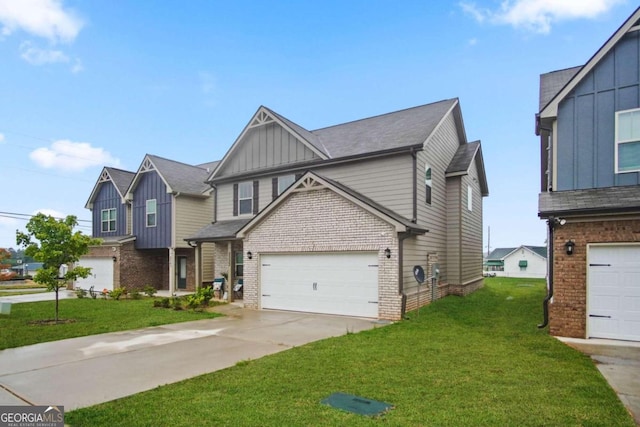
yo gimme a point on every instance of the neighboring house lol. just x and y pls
(27, 269)
(523, 261)
(334, 220)
(589, 127)
(143, 219)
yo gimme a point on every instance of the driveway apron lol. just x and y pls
(85, 371)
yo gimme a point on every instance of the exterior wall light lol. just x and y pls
(569, 247)
(249, 255)
(387, 253)
(114, 259)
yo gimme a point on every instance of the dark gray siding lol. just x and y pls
(108, 198)
(586, 120)
(151, 186)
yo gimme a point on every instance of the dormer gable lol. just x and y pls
(269, 141)
(120, 179)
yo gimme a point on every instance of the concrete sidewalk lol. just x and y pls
(85, 371)
(619, 364)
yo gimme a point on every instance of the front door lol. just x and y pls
(182, 272)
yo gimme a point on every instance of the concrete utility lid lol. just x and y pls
(357, 404)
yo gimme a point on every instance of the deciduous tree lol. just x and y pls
(54, 243)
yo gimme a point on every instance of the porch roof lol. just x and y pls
(217, 231)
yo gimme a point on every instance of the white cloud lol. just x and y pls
(473, 42)
(72, 156)
(49, 212)
(538, 15)
(77, 66)
(42, 18)
(36, 56)
(1, 138)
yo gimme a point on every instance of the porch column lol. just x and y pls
(172, 271)
(198, 259)
(232, 273)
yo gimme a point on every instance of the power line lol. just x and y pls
(16, 215)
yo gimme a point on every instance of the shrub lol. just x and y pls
(176, 302)
(135, 294)
(149, 290)
(165, 303)
(200, 299)
(117, 293)
(81, 293)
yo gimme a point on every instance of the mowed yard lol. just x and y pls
(473, 361)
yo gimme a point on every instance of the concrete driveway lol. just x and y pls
(85, 371)
(619, 364)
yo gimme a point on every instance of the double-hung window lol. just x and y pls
(151, 213)
(284, 182)
(108, 220)
(245, 198)
(627, 152)
(427, 183)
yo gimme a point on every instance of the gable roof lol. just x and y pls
(551, 83)
(311, 179)
(180, 178)
(221, 230)
(631, 24)
(410, 127)
(502, 253)
(121, 179)
(462, 161)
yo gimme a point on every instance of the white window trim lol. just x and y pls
(250, 198)
(469, 198)
(617, 142)
(428, 183)
(148, 213)
(108, 220)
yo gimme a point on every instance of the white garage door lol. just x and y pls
(335, 283)
(613, 301)
(101, 276)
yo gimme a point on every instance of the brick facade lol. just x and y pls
(568, 310)
(322, 221)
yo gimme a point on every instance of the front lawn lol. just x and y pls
(90, 316)
(473, 361)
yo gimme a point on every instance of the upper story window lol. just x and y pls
(469, 198)
(245, 198)
(627, 154)
(427, 183)
(108, 220)
(151, 213)
(284, 182)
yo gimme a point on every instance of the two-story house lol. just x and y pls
(143, 219)
(334, 220)
(589, 127)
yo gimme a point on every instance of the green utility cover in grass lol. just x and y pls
(356, 404)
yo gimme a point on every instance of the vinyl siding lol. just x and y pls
(471, 230)
(191, 215)
(151, 186)
(108, 198)
(265, 147)
(453, 230)
(586, 120)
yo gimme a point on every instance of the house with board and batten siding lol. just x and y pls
(143, 218)
(334, 220)
(589, 128)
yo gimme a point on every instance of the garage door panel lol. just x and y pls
(614, 292)
(332, 283)
(101, 276)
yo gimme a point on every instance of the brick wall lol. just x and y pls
(322, 221)
(568, 311)
(142, 267)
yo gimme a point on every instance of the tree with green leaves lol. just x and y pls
(54, 243)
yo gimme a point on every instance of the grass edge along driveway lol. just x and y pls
(90, 317)
(473, 361)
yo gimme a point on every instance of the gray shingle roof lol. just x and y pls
(551, 83)
(501, 253)
(463, 158)
(210, 166)
(221, 230)
(121, 179)
(404, 128)
(540, 250)
(308, 136)
(589, 201)
(181, 177)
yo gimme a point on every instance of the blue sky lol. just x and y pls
(88, 83)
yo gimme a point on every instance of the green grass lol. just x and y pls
(90, 317)
(473, 361)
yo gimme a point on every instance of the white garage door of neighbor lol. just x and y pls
(613, 300)
(101, 276)
(330, 283)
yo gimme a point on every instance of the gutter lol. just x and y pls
(545, 303)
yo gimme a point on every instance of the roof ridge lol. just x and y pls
(384, 114)
(175, 161)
